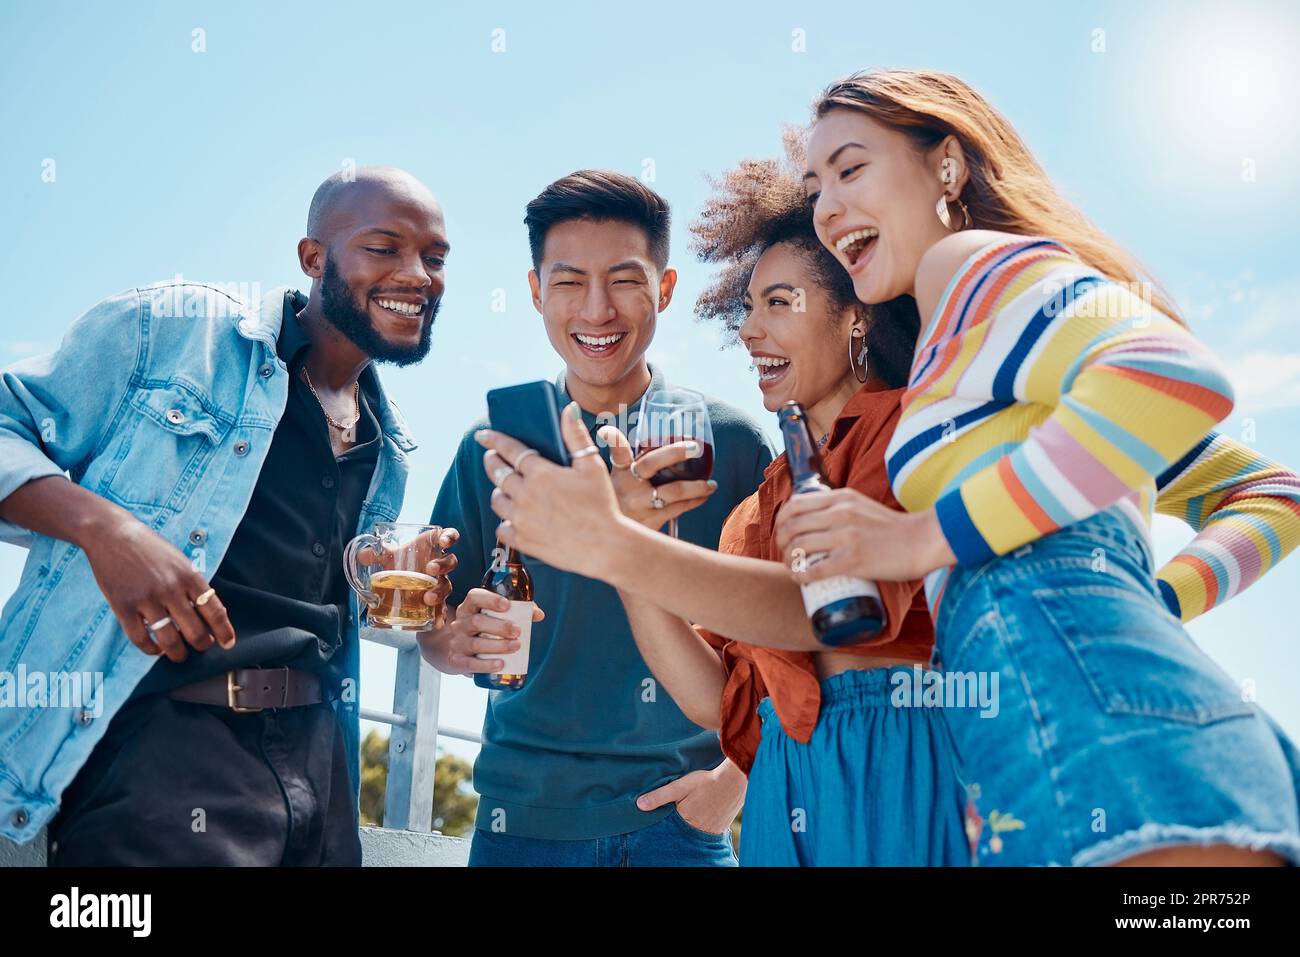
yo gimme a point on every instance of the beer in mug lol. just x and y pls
(388, 569)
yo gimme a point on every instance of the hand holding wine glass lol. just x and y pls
(668, 418)
(636, 494)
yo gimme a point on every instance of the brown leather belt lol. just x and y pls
(254, 689)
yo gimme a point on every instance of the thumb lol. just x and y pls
(620, 449)
(577, 438)
(660, 796)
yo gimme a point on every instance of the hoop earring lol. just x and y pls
(941, 210)
(860, 359)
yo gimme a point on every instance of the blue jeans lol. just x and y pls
(1114, 733)
(669, 842)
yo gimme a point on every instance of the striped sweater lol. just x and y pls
(1246, 512)
(1041, 393)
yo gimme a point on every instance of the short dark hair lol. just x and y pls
(601, 196)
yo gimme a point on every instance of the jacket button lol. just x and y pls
(19, 817)
(85, 717)
(175, 416)
(265, 371)
(198, 536)
(241, 447)
(318, 550)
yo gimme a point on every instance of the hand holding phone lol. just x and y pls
(530, 413)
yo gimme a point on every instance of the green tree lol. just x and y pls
(454, 800)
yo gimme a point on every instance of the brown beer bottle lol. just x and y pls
(842, 608)
(508, 577)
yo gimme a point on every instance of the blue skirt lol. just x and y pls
(876, 785)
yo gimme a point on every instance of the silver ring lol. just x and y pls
(632, 468)
(655, 500)
(500, 474)
(519, 462)
(583, 453)
(162, 622)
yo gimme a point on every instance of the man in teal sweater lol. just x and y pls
(590, 763)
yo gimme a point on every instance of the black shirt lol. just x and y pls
(282, 578)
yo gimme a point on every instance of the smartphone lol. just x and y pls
(530, 413)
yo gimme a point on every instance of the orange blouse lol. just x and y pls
(854, 457)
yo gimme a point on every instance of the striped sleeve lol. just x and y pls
(1246, 513)
(1130, 391)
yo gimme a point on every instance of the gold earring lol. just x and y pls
(860, 359)
(948, 176)
(941, 210)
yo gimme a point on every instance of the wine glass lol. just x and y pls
(675, 415)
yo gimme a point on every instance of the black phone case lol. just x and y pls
(530, 413)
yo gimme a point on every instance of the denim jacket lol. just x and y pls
(162, 399)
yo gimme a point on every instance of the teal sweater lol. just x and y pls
(566, 756)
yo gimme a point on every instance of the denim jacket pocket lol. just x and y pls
(1136, 657)
(167, 438)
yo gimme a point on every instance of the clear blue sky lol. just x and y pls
(1174, 128)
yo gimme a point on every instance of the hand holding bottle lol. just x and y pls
(860, 536)
(455, 648)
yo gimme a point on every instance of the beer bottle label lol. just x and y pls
(521, 615)
(817, 595)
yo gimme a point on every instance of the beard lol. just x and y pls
(340, 309)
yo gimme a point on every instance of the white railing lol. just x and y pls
(413, 741)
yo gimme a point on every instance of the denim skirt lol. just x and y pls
(1113, 733)
(875, 785)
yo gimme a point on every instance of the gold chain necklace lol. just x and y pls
(329, 418)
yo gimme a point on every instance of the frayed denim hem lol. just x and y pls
(1150, 837)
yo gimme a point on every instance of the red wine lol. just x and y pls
(696, 469)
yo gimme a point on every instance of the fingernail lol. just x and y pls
(481, 436)
(641, 803)
(712, 484)
(693, 447)
(575, 411)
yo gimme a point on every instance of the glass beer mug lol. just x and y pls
(387, 570)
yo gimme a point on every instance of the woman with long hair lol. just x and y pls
(1052, 387)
